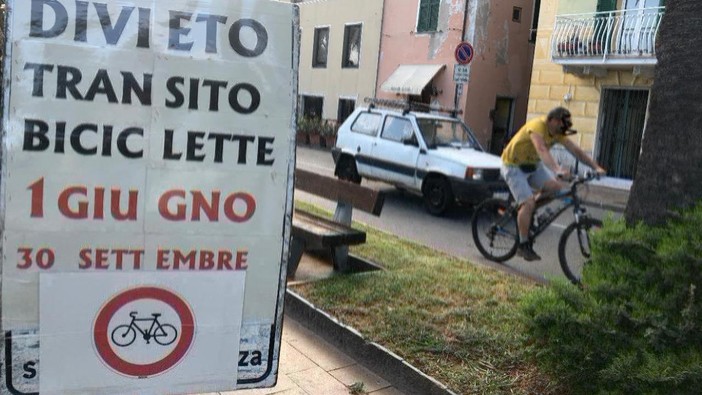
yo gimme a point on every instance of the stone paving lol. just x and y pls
(310, 365)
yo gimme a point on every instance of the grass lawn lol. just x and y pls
(454, 320)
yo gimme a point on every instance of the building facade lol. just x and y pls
(418, 57)
(597, 57)
(339, 50)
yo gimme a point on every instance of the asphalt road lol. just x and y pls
(404, 215)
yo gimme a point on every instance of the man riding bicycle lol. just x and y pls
(527, 165)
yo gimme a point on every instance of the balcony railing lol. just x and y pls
(625, 37)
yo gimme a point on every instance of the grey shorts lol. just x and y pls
(522, 184)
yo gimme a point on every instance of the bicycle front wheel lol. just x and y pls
(495, 230)
(574, 247)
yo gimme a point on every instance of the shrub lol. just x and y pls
(636, 326)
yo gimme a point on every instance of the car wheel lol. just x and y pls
(346, 170)
(438, 196)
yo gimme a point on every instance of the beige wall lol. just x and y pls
(334, 82)
(550, 84)
(574, 6)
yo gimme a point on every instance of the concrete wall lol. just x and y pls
(334, 82)
(401, 44)
(500, 66)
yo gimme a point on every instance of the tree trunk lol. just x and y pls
(669, 173)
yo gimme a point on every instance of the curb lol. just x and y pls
(605, 206)
(375, 357)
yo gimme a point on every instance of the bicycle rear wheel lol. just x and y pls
(495, 230)
(574, 247)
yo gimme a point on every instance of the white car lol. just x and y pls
(434, 155)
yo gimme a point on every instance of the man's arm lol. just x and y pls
(582, 156)
(545, 153)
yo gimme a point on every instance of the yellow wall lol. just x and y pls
(549, 83)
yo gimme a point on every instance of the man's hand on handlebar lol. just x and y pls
(600, 171)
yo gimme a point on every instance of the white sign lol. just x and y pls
(153, 140)
(164, 329)
(460, 73)
(459, 90)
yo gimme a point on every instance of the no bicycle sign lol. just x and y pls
(146, 197)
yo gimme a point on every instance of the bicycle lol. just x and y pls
(163, 334)
(494, 226)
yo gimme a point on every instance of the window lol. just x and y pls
(312, 106)
(366, 123)
(346, 107)
(428, 16)
(516, 14)
(352, 46)
(321, 45)
(534, 21)
(396, 129)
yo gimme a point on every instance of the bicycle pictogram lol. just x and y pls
(125, 334)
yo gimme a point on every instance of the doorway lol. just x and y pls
(622, 121)
(641, 18)
(502, 119)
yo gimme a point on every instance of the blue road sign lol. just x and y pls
(464, 53)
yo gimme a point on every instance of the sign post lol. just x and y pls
(461, 73)
(147, 167)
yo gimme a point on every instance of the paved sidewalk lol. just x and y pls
(310, 365)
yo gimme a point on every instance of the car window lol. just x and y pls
(395, 128)
(444, 133)
(366, 123)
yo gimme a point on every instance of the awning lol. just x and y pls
(410, 79)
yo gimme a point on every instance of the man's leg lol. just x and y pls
(521, 190)
(524, 218)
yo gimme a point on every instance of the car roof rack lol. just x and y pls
(407, 106)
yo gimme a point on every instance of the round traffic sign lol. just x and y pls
(464, 53)
(102, 335)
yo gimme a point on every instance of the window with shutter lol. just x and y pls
(428, 19)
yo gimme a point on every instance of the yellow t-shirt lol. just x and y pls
(520, 150)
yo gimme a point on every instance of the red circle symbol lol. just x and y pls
(101, 335)
(464, 53)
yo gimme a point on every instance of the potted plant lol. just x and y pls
(302, 131)
(328, 134)
(314, 130)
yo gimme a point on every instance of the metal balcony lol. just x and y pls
(614, 39)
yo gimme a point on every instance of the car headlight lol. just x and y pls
(474, 174)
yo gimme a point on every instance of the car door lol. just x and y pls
(363, 133)
(396, 152)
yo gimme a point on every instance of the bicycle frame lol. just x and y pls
(150, 332)
(569, 198)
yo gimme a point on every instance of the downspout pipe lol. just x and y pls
(465, 20)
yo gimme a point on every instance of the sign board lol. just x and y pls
(464, 53)
(146, 197)
(460, 73)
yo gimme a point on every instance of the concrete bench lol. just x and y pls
(311, 232)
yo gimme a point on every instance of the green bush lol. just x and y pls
(636, 326)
